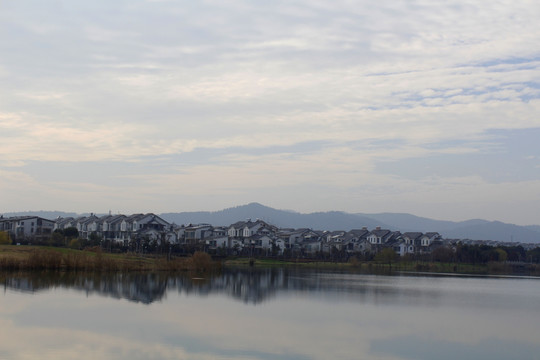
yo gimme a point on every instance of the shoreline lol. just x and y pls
(13, 257)
(416, 267)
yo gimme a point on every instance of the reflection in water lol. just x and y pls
(249, 285)
(258, 285)
(138, 287)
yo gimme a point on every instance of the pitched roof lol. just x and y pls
(359, 232)
(380, 233)
(63, 221)
(89, 219)
(133, 217)
(238, 225)
(116, 219)
(412, 235)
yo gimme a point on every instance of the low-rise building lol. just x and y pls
(27, 227)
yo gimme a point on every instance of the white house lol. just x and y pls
(29, 227)
(245, 229)
(194, 233)
(221, 242)
(378, 236)
(429, 238)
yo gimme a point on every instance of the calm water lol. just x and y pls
(269, 314)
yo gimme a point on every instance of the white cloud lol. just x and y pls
(111, 82)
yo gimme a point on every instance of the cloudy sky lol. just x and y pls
(425, 107)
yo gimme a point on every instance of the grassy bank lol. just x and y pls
(52, 258)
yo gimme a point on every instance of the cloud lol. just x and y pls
(101, 83)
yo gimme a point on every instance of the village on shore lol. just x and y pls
(248, 237)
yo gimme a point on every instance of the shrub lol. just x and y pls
(75, 244)
(5, 239)
(201, 261)
(354, 261)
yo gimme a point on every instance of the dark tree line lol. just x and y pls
(481, 254)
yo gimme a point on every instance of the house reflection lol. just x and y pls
(138, 287)
(249, 285)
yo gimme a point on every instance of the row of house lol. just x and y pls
(120, 228)
(256, 237)
(362, 240)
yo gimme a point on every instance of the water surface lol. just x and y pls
(268, 314)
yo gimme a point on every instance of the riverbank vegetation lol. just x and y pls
(467, 259)
(480, 260)
(95, 259)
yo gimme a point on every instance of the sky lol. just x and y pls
(424, 107)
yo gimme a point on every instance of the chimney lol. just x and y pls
(378, 228)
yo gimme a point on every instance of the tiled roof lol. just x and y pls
(380, 233)
(412, 235)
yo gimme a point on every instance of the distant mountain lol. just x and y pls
(332, 220)
(533, 228)
(408, 222)
(494, 230)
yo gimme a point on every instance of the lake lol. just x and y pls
(268, 314)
